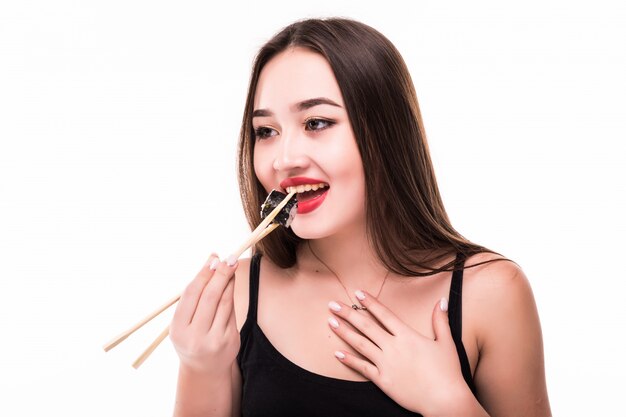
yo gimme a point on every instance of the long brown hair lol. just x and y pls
(406, 221)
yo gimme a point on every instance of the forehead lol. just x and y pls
(292, 76)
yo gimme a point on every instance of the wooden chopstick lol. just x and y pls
(262, 230)
(120, 338)
(151, 348)
(165, 331)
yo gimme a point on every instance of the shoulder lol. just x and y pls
(497, 293)
(498, 278)
(241, 305)
(242, 284)
(499, 307)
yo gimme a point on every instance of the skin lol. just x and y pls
(402, 342)
(205, 335)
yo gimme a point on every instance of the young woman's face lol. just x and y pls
(303, 138)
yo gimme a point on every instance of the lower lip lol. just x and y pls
(310, 205)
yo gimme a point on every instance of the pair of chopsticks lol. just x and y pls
(262, 230)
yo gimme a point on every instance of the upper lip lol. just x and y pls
(295, 181)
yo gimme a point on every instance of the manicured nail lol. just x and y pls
(443, 304)
(340, 355)
(333, 323)
(231, 260)
(334, 306)
(214, 264)
(360, 295)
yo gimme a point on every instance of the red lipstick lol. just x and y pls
(294, 181)
(307, 206)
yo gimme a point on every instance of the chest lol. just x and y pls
(293, 316)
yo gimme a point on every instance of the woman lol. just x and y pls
(356, 309)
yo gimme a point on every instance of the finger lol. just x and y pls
(189, 299)
(231, 326)
(360, 343)
(363, 367)
(211, 295)
(232, 322)
(441, 325)
(224, 309)
(385, 316)
(362, 322)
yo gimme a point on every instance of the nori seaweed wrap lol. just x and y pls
(286, 215)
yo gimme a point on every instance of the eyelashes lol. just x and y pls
(264, 132)
(316, 124)
(313, 124)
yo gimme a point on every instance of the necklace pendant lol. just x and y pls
(356, 307)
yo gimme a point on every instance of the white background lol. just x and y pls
(118, 127)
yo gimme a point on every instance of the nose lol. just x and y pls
(290, 154)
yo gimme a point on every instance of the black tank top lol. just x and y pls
(275, 386)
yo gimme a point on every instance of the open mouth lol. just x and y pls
(310, 196)
(308, 192)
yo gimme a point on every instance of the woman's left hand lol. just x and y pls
(417, 372)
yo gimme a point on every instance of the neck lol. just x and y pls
(350, 257)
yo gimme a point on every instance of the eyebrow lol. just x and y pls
(298, 107)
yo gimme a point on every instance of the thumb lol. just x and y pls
(441, 326)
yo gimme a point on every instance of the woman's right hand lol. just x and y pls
(203, 330)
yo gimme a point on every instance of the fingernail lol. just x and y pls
(333, 323)
(340, 355)
(214, 263)
(360, 295)
(443, 304)
(231, 260)
(334, 306)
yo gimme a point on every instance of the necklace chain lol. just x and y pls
(355, 306)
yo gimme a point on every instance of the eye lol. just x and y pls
(264, 132)
(317, 124)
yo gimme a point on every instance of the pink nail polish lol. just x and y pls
(333, 323)
(231, 260)
(443, 304)
(340, 355)
(334, 306)
(214, 264)
(360, 295)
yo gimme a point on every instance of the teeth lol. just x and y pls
(305, 188)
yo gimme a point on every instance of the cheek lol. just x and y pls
(347, 162)
(349, 174)
(354, 186)
(262, 168)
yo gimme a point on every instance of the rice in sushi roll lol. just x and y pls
(286, 215)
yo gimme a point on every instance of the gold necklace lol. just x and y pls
(354, 305)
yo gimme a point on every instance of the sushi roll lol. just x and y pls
(286, 215)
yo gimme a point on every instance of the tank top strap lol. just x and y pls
(455, 318)
(455, 298)
(255, 269)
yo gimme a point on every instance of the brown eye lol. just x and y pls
(264, 132)
(317, 124)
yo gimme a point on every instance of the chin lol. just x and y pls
(307, 232)
(310, 230)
